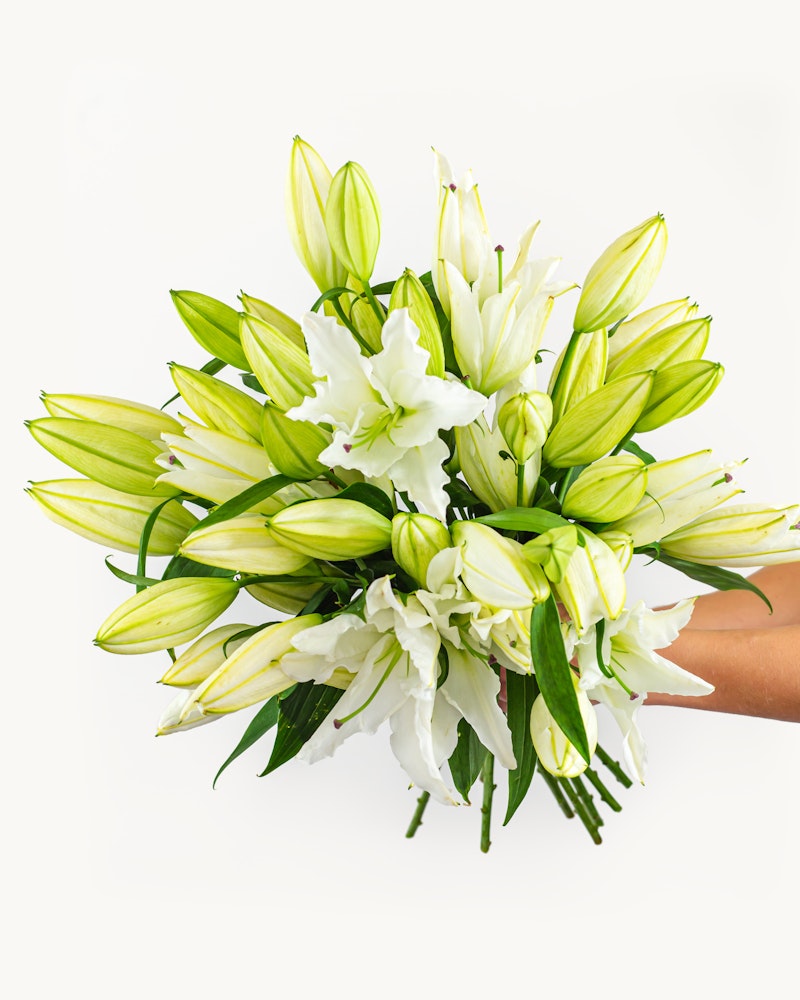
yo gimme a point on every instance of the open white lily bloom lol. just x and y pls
(386, 411)
(635, 668)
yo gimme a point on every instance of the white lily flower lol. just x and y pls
(386, 411)
(739, 535)
(629, 655)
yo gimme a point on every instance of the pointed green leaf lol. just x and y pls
(714, 576)
(245, 500)
(301, 714)
(369, 495)
(260, 724)
(467, 759)
(634, 449)
(521, 692)
(525, 519)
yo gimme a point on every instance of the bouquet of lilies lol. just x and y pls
(441, 542)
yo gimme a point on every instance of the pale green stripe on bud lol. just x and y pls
(635, 331)
(555, 752)
(166, 614)
(621, 277)
(138, 418)
(585, 372)
(524, 421)
(111, 518)
(681, 342)
(739, 535)
(282, 368)
(495, 569)
(204, 656)
(307, 187)
(221, 406)
(409, 293)
(599, 422)
(242, 544)
(293, 446)
(593, 584)
(331, 529)
(490, 476)
(416, 539)
(289, 327)
(109, 455)
(607, 489)
(620, 543)
(214, 325)
(353, 220)
(678, 391)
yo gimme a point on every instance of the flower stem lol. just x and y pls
(357, 336)
(376, 306)
(558, 795)
(487, 777)
(614, 767)
(520, 483)
(416, 819)
(581, 811)
(602, 791)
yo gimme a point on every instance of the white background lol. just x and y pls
(145, 149)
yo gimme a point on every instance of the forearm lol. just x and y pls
(741, 609)
(754, 671)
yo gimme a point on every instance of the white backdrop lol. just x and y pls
(146, 148)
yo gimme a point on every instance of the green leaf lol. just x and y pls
(521, 692)
(139, 581)
(461, 496)
(213, 325)
(554, 674)
(181, 566)
(634, 449)
(370, 496)
(714, 576)
(245, 500)
(301, 714)
(467, 759)
(525, 519)
(252, 383)
(260, 724)
(144, 541)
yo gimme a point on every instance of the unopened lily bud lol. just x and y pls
(620, 543)
(109, 455)
(289, 327)
(416, 539)
(739, 535)
(293, 446)
(524, 421)
(409, 293)
(111, 518)
(636, 330)
(331, 529)
(175, 720)
(204, 656)
(681, 342)
(288, 597)
(555, 752)
(584, 374)
(251, 673)
(678, 391)
(495, 568)
(607, 489)
(622, 275)
(552, 550)
(489, 469)
(166, 614)
(214, 325)
(217, 404)
(282, 368)
(363, 316)
(593, 585)
(353, 220)
(307, 187)
(138, 418)
(599, 422)
(242, 544)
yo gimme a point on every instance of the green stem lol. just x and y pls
(562, 371)
(376, 306)
(487, 777)
(602, 791)
(247, 581)
(416, 819)
(552, 784)
(586, 798)
(614, 767)
(581, 812)
(622, 444)
(520, 484)
(359, 339)
(334, 480)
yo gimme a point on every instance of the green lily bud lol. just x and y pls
(219, 405)
(555, 752)
(263, 310)
(203, 657)
(593, 584)
(251, 673)
(109, 455)
(416, 539)
(599, 422)
(524, 421)
(552, 550)
(682, 342)
(110, 518)
(364, 318)
(331, 529)
(165, 615)
(293, 446)
(635, 331)
(678, 391)
(282, 368)
(585, 372)
(489, 471)
(307, 188)
(622, 276)
(146, 421)
(409, 293)
(353, 220)
(739, 535)
(242, 544)
(495, 569)
(213, 325)
(620, 543)
(607, 489)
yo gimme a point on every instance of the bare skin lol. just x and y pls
(751, 657)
